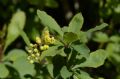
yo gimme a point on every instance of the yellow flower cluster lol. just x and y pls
(34, 53)
(47, 38)
(45, 47)
(35, 50)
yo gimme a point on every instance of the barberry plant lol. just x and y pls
(64, 50)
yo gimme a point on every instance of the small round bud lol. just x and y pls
(37, 54)
(31, 61)
(29, 51)
(32, 55)
(38, 40)
(46, 47)
(31, 45)
(35, 50)
(46, 33)
(47, 39)
(42, 48)
(36, 58)
(52, 40)
(35, 45)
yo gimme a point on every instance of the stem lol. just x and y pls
(69, 56)
(101, 45)
(111, 25)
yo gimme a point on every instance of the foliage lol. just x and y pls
(33, 45)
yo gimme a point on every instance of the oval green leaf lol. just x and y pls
(76, 23)
(96, 59)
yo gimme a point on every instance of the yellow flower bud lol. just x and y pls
(52, 40)
(32, 55)
(47, 39)
(35, 45)
(29, 51)
(42, 48)
(35, 50)
(38, 40)
(37, 54)
(28, 57)
(31, 61)
(31, 45)
(36, 58)
(46, 47)
(46, 33)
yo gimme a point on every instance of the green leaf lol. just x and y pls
(70, 37)
(14, 54)
(65, 73)
(76, 23)
(83, 37)
(115, 38)
(113, 50)
(101, 37)
(49, 22)
(101, 26)
(18, 20)
(50, 69)
(82, 49)
(3, 71)
(51, 51)
(24, 67)
(82, 75)
(96, 59)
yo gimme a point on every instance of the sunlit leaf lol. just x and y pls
(65, 73)
(24, 67)
(100, 27)
(96, 59)
(76, 23)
